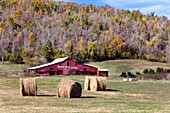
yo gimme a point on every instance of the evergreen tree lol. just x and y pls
(49, 54)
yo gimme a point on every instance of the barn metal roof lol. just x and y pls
(103, 70)
(58, 60)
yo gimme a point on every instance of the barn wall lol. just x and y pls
(65, 69)
(103, 73)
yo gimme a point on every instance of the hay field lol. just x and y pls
(121, 97)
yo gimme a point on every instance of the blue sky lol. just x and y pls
(160, 7)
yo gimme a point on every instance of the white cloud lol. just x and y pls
(129, 2)
(152, 8)
(160, 7)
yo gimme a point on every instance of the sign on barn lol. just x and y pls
(66, 66)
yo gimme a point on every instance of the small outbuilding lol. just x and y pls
(103, 72)
(66, 66)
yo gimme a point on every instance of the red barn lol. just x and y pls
(66, 66)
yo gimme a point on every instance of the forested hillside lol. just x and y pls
(33, 31)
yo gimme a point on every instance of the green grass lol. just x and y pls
(8, 67)
(122, 97)
(116, 67)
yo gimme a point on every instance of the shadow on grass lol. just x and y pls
(87, 97)
(113, 90)
(46, 95)
(56, 96)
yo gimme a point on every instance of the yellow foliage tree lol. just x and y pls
(152, 42)
(117, 41)
(31, 37)
(82, 48)
(2, 29)
(116, 18)
(156, 19)
(18, 12)
(144, 19)
(19, 34)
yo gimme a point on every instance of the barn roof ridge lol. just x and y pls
(58, 60)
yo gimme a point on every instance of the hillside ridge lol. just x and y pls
(39, 31)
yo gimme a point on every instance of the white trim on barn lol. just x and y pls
(58, 60)
(102, 69)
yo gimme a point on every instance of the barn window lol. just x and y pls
(51, 69)
(68, 63)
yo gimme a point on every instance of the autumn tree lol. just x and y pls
(92, 50)
(68, 47)
(82, 49)
(107, 32)
(48, 52)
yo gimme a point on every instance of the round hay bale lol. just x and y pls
(93, 84)
(102, 83)
(87, 83)
(98, 83)
(69, 89)
(21, 86)
(28, 87)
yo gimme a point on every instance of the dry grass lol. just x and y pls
(142, 96)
